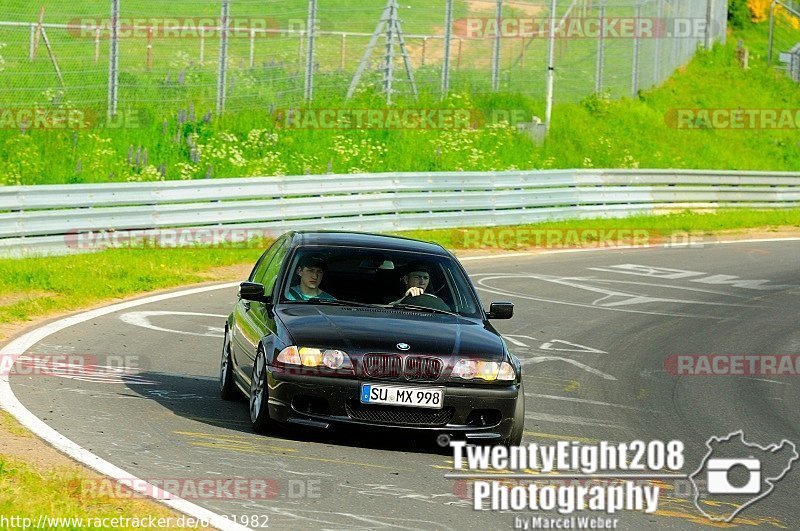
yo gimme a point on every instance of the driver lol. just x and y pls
(416, 280)
(310, 269)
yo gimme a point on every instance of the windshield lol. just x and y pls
(379, 277)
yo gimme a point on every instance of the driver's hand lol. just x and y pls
(414, 292)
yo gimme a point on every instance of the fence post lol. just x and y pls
(598, 86)
(310, 34)
(343, 51)
(252, 47)
(113, 60)
(97, 45)
(388, 58)
(551, 70)
(771, 30)
(636, 49)
(149, 48)
(222, 72)
(202, 45)
(709, 20)
(32, 43)
(496, 47)
(448, 35)
(657, 51)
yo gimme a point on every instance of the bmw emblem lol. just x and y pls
(403, 346)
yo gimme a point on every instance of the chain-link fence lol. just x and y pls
(209, 56)
(784, 37)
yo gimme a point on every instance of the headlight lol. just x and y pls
(468, 369)
(315, 357)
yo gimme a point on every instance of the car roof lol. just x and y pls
(363, 239)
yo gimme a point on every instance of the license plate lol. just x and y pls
(396, 395)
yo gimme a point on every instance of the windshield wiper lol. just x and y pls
(423, 309)
(339, 302)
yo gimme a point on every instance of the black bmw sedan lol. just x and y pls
(341, 328)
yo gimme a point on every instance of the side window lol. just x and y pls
(268, 272)
(263, 262)
(259, 272)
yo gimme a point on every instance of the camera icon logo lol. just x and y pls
(719, 471)
(735, 474)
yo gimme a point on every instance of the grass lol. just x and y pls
(9, 424)
(40, 286)
(27, 492)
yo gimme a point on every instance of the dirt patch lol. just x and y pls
(480, 6)
(12, 298)
(18, 443)
(230, 272)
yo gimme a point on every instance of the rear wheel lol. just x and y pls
(227, 389)
(259, 396)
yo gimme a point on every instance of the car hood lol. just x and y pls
(360, 330)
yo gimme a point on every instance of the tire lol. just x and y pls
(259, 394)
(515, 438)
(227, 389)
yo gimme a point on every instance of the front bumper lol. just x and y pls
(324, 402)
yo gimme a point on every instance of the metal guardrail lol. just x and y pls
(48, 219)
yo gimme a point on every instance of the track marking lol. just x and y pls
(142, 319)
(707, 278)
(591, 370)
(577, 347)
(590, 402)
(262, 451)
(618, 248)
(374, 522)
(567, 419)
(548, 345)
(482, 286)
(539, 435)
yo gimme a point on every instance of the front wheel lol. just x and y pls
(515, 437)
(227, 389)
(259, 395)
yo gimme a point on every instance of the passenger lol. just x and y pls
(310, 269)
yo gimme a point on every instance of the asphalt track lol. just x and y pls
(593, 330)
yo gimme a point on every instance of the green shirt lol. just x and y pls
(296, 294)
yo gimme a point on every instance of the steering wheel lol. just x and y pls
(428, 300)
(421, 295)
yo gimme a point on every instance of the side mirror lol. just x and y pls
(252, 291)
(501, 310)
